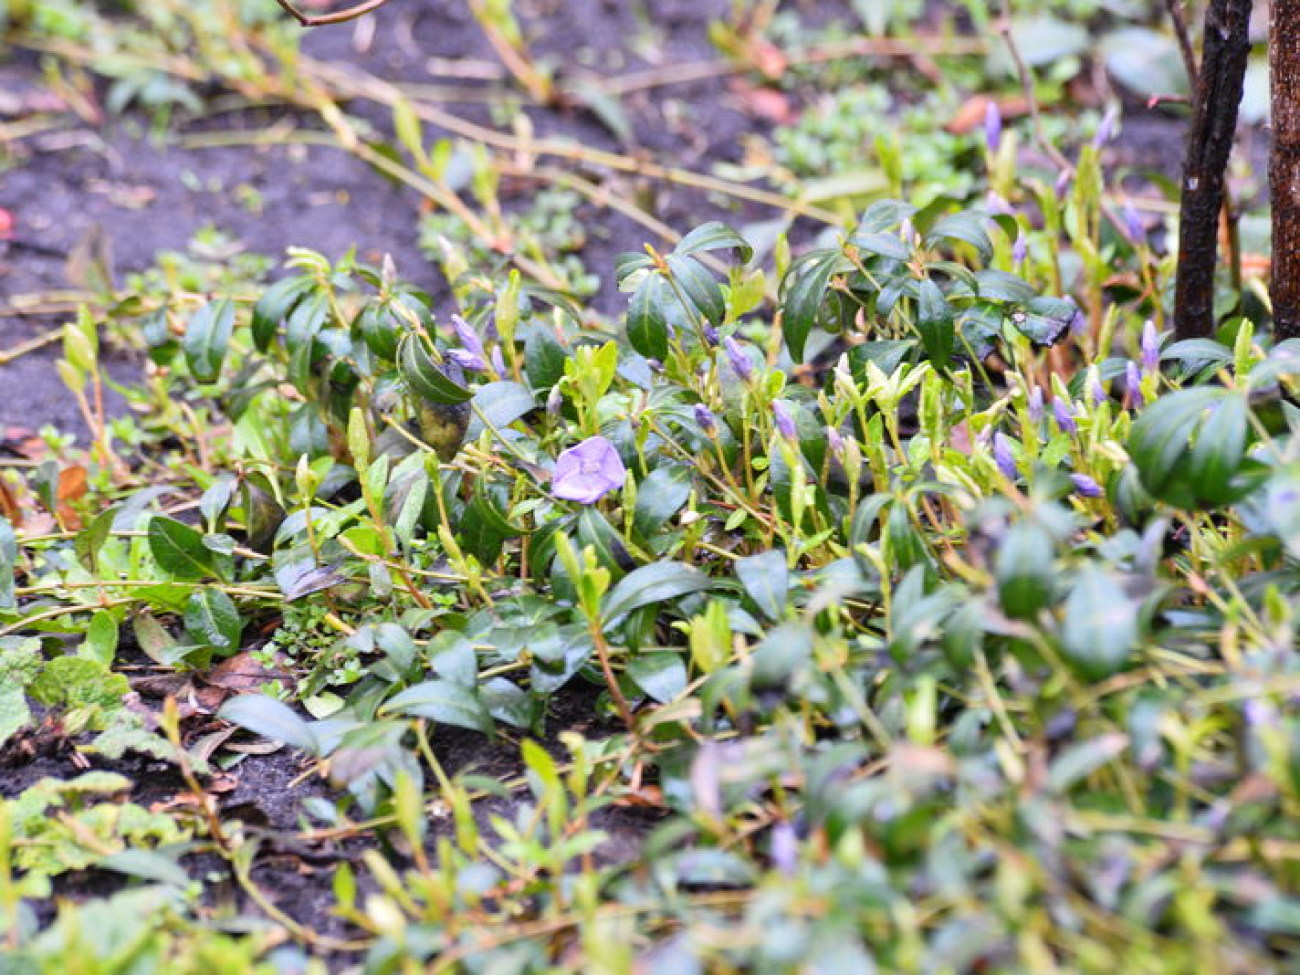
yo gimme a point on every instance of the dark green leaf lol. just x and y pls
(444, 702)
(207, 337)
(1025, 570)
(651, 584)
(662, 675)
(698, 285)
(803, 293)
(934, 322)
(212, 620)
(714, 236)
(647, 323)
(428, 378)
(179, 550)
(1101, 624)
(766, 577)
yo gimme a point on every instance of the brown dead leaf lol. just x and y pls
(239, 674)
(767, 104)
(970, 116)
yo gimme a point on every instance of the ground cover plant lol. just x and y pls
(816, 553)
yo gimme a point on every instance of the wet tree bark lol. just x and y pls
(1284, 166)
(1214, 124)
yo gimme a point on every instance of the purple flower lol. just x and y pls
(1063, 180)
(1020, 249)
(1078, 322)
(1133, 382)
(997, 204)
(835, 440)
(1064, 416)
(784, 420)
(785, 849)
(1106, 130)
(1035, 404)
(739, 358)
(471, 355)
(588, 471)
(706, 420)
(1096, 390)
(1003, 457)
(710, 335)
(993, 126)
(1150, 348)
(1134, 228)
(498, 361)
(1086, 487)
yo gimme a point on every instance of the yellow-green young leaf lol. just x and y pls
(408, 129)
(101, 638)
(711, 638)
(81, 342)
(358, 439)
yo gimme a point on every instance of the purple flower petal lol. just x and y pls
(1036, 404)
(1086, 487)
(993, 126)
(588, 471)
(468, 338)
(739, 358)
(1133, 382)
(1003, 457)
(1150, 348)
(706, 420)
(1064, 416)
(785, 425)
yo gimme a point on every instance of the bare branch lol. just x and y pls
(338, 17)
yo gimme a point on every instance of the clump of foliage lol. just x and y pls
(927, 607)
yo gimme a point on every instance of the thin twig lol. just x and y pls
(338, 17)
(1179, 20)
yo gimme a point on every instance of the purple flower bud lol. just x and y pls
(1106, 129)
(907, 232)
(588, 471)
(1035, 404)
(739, 358)
(710, 335)
(468, 338)
(1086, 487)
(1003, 457)
(498, 361)
(1133, 383)
(706, 420)
(1096, 390)
(554, 401)
(1078, 322)
(1134, 228)
(1150, 348)
(993, 126)
(1063, 180)
(1020, 249)
(1064, 416)
(997, 204)
(785, 849)
(784, 420)
(835, 441)
(467, 360)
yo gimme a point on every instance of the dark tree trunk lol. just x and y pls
(1284, 166)
(1214, 124)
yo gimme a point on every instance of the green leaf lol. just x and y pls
(766, 577)
(270, 718)
(1101, 625)
(659, 497)
(882, 245)
(965, 227)
(803, 292)
(14, 712)
(650, 584)
(647, 322)
(179, 550)
(934, 322)
(1025, 570)
(270, 310)
(1076, 762)
(698, 285)
(713, 236)
(784, 652)
(661, 675)
(445, 702)
(101, 638)
(207, 337)
(544, 358)
(146, 865)
(502, 403)
(212, 620)
(427, 377)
